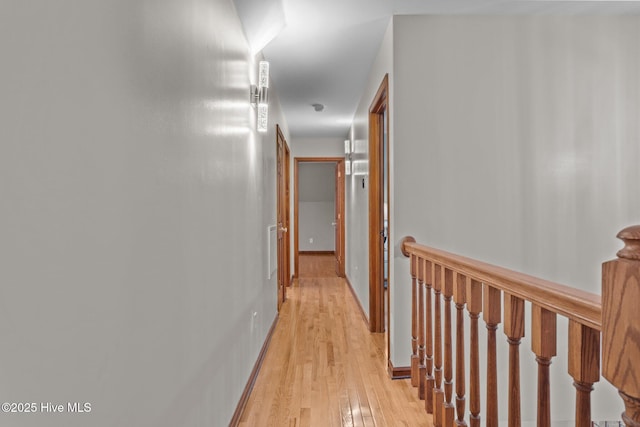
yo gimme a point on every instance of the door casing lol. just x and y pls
(282, 216)
(339, 219)
(376, 218)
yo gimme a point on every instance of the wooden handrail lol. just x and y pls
(575, 304)
(480, 288)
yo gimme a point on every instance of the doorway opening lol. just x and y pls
(319, 202)
(379, 213)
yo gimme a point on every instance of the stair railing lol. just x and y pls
(444, 284)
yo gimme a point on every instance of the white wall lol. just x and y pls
(316, 230)
(316, 206)
(135, 202)
(357, 197)
(318, 147)
(522, 133)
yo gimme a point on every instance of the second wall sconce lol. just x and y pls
(347, 156)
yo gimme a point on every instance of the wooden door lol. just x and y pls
(282, 217)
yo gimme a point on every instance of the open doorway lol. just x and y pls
(319, 226)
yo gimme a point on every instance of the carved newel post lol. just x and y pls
(621, 323)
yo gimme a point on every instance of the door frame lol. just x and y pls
(339, 231)
(283, 208)
(339, 200)
(287, 190)
(376, 219)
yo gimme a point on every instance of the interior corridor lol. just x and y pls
(323, 367)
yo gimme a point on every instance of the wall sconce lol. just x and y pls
(258, 96)
(347, 157)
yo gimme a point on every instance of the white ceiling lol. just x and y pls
(323, 49)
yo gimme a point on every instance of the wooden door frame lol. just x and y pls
(287, 177)
(286, 249)
(297, 161)
(340, 222)
(376, 199)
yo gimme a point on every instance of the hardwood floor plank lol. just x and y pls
(323, 367)
(305, 417)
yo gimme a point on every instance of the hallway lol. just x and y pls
(323, 367)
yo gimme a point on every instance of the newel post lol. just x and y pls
(621, 323)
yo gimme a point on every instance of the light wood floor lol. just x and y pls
(317, 266)
(323, 367)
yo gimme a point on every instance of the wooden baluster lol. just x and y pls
(414, 324)
(492, 312)
(543, 344)
(459, 296)
(421, 366)
(474, 305)
(514, 330)
(428, 395)
(584, 367)
(621, 323)
(448, 410)
(438, 393)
